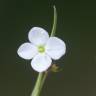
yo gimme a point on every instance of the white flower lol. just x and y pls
(41, 49)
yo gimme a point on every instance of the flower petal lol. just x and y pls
(55, 48)
(41, 62)
(38, 36)
(27, 51)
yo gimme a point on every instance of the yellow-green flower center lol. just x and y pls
(41, 49)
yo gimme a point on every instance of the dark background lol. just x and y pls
(76, 26)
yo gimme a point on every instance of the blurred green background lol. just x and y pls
(76, 26)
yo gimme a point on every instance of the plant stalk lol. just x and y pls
(54, 22)
(42, 76)
(36, 90)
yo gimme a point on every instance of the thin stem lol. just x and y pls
(42, 76)
(54, 22)
(43, 79)
(42, 83)
(37, 87)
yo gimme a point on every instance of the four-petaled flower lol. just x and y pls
(41, 49)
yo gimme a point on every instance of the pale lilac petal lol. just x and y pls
(55, 48)
(27, 51)
(38, 36)
(41, 63)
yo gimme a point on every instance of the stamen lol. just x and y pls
(41, 49)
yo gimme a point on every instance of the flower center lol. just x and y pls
(41, 49)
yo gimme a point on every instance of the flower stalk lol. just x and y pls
(54, 22)
(39, 83)
(37, 87)
(42, 76)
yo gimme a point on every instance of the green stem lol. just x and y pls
(43, 79)
(54, 22)
(42, 76)
(36, 90)
(39, 84)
